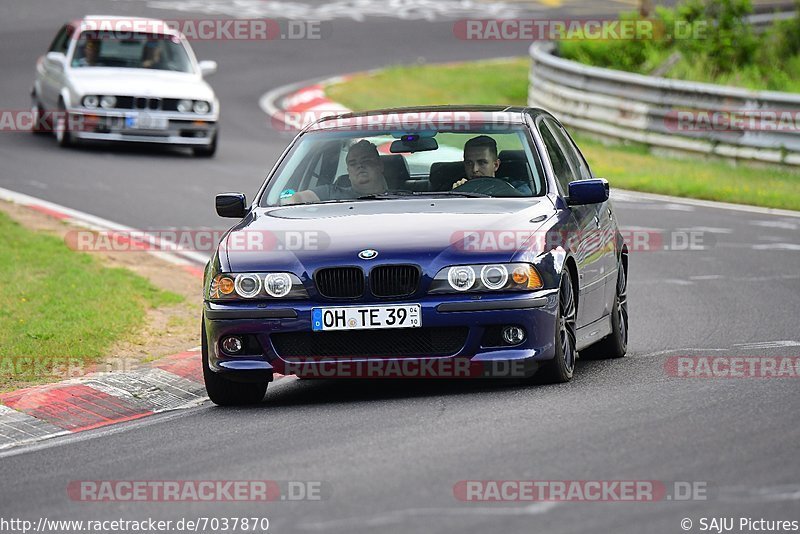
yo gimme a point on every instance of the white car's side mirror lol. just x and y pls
(56, 59)
(207, 68)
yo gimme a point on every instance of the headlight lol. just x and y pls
(461, 278)
(277, 284)
(201, 107)
(493, 277)
(108, 102)
(247, 285)
(184, 106)
(91, 101)
(238, 286)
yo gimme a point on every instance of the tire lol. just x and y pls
(561, 368)
(615, 345)
(224, 392)
(36, 114)
(61, 128)
(207, 151)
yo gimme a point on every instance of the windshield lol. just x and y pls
(343, 166)
(131, 50)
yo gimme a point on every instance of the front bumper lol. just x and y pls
(185, 129)
(479, 352)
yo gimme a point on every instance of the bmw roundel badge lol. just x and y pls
(368, 254)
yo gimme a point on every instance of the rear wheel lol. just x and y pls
(562, 366)
(224, 392)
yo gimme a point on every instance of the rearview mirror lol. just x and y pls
(207, 68)
(592, 191)
(232, 205)
(56, 59)
(413, 143)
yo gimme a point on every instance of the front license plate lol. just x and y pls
(143, 121)
(366, 317)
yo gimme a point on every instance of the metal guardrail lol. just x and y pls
(666, 113)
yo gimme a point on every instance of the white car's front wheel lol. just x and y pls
(207, 151)
(37, 114)
(63, 135)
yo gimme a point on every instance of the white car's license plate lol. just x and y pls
(366, 317)
(143, 121)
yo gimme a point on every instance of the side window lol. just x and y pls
(561, 166)
(575, 156)
(61, 41)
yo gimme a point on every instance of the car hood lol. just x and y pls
(139, 82)
(429, 232)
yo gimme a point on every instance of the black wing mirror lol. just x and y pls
(233, 205)
(592, 191)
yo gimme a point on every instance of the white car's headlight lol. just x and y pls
(202, 107)
(185, 106)
(91, 101)
(108, 102)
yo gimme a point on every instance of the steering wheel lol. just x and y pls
(488, 185)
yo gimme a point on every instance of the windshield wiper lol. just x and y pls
(451, 194)
(385, 196)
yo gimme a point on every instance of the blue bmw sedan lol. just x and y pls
(417, 242)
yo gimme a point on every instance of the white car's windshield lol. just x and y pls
(131, 50)
(332, 166)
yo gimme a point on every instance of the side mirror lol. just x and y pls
(207, 68)
(592, 191)
(232, 205)
(56, 60)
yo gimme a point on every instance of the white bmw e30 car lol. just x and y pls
(125, 79)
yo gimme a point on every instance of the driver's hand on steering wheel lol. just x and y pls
(460, 182)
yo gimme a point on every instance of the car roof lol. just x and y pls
(101, 22)
(423, 114)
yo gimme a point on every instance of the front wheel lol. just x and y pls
(562, 366)
(62, 128)
(224, 392)
(615, 345)
(207, 151)
(37, 118)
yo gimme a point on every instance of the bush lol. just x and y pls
(725, 48)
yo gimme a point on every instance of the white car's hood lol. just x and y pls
(139, 82)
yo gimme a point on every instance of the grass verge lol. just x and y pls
(627, 167)
(63, 310)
